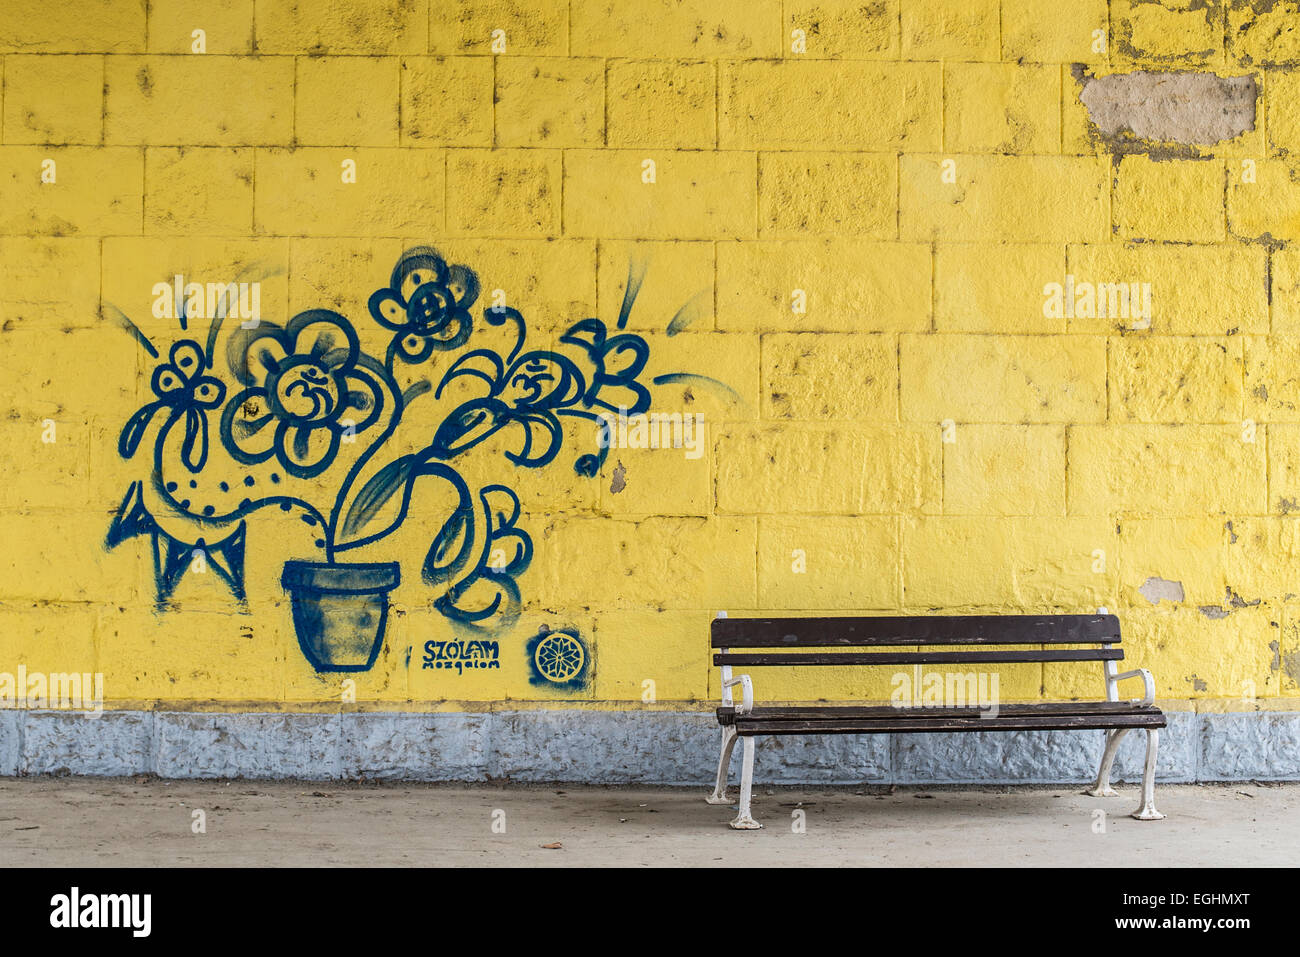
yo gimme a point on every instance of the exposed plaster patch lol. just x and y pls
(1214, 612)
(1164, 114)
(1291, 665)
(619, 481)
(1156, 589)
(1234, 600)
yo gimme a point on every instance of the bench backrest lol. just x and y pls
(782, 641)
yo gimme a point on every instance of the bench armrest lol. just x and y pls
(746, 692)
(1148, 683)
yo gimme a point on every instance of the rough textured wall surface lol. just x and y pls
(972, 305)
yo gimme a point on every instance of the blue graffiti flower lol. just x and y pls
(618, 361)
(181, 387)
(426, 305)
(529, 393)
(311, 381)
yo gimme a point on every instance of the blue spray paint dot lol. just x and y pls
(309, 519)
(208, 509)
(285, 506)
(224, 486)
(320, 543)
(171, 486)
(245, 503)
(248, 480)
(275, 477)
(194, 483)
(185, 503)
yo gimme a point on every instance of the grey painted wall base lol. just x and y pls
(611, 747)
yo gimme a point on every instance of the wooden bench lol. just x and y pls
(820, 642)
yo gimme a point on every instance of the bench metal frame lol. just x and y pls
(731, 712)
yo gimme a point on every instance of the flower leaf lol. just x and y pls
(382, 486)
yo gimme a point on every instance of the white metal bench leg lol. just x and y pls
(719, 795)
(1148, 812)
(1102, 788)
(743, 821)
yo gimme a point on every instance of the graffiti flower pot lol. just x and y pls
(339, 611)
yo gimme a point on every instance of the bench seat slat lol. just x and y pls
(776, 658)
(921, 630)
(747, 726)
(727, 714)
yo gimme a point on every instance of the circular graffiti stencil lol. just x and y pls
(559, 657)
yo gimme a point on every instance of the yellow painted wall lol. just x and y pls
(923, 434)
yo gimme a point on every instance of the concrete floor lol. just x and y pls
(149, 822)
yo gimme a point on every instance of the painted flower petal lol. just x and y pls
(325, 336)
(451, 548)
(463, 284)
(543, 437)
(542, 380)
(194, 450)
(416, 267)
(388, 310)
(187, 358)
(429, 307)
(625, 356)
(135, 428)
(481, 364)
(168, 383)
(245, 431)
(629, 398)
(264, 356)
(363, 401)
(413, 348)
(305, 451)
(251, 353)
(469, 425)
(454, 332)
(208, 392)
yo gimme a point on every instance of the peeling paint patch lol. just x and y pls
(1214, 612)
(1233, 600)
(1140, 111)
(1291, 665)
(1157, 589)
(1198, 684)
(619, 480)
